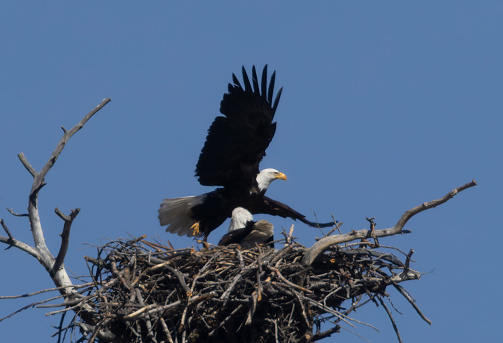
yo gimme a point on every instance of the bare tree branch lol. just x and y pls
(68, 134)
(40, 251)
(20, 245)
(27, 164)
(324, 243)
(17, 214)
(39, 182)
(44, 255)
(65, 237)
(12, 242)
(84, 285)
(6, 229)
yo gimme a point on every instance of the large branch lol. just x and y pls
(40, 250)
(325, 243)
(39, 177)
(65, 237)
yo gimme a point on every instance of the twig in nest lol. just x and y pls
(412, 302)
(391, 319)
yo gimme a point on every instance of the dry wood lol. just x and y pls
(323, 244)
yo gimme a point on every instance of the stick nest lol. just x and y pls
(146, 292)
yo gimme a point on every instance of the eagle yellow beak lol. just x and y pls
(280, 176)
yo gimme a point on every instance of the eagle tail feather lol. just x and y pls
(177, 213)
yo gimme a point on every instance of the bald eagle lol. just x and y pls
(246, 232)
(230, 158)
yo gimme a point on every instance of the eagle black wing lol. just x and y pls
(236, 236)
(237, 141)
(253, 233)
(277, 208)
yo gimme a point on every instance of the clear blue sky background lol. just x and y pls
(385, 105)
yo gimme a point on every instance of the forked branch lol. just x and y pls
(40, 250)
(65, 237)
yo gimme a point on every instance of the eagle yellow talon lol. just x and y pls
(195, 229)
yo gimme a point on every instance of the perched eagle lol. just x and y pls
(230, 158)
(245, 232)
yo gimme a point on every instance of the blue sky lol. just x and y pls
(385, 105)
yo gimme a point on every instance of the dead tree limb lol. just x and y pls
(65, 237)
(40, 250)
(326, 242)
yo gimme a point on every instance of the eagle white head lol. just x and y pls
(240, 217)
(266, 176)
